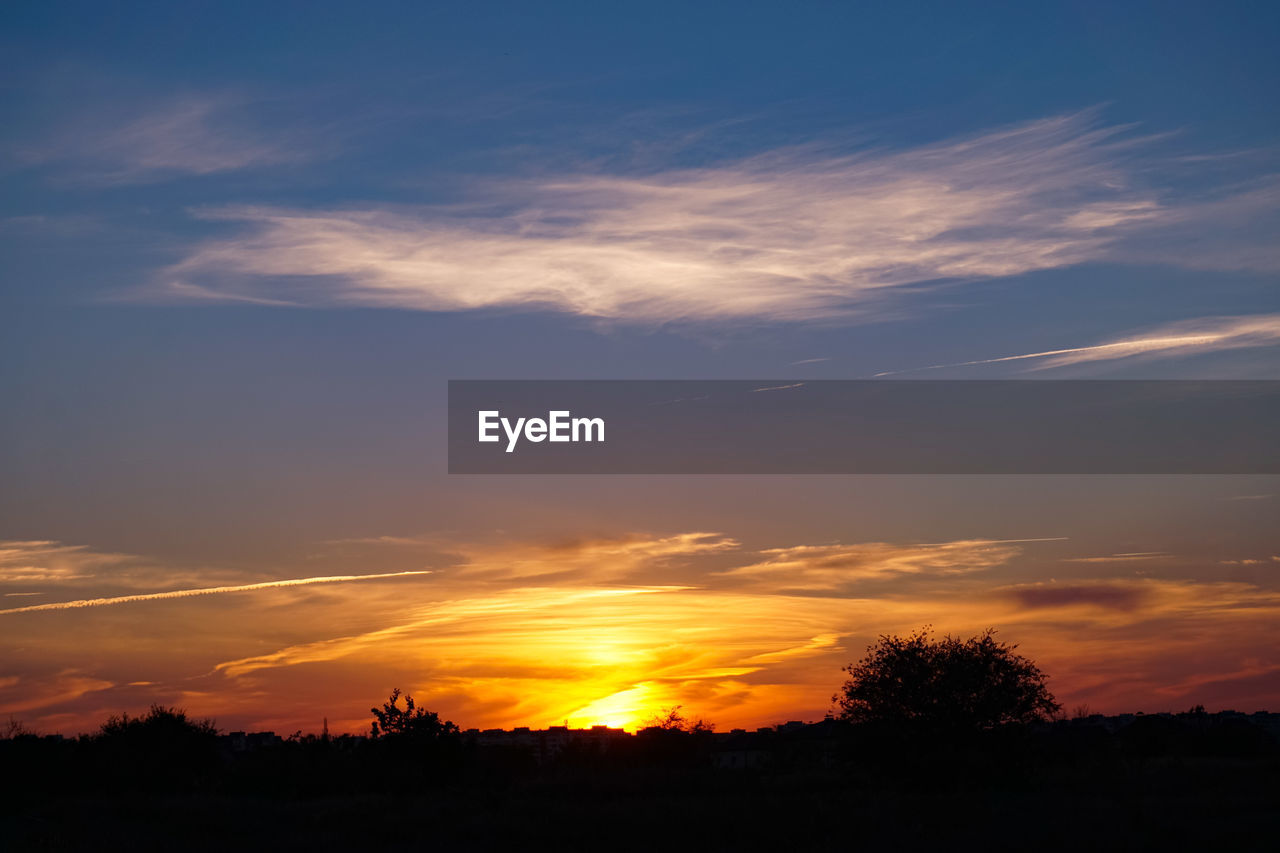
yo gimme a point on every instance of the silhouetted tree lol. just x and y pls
(410, 721)
(15, 729)
(978, 683)
(670, 739)
(159, 724)
(672, 720)
(163, 748)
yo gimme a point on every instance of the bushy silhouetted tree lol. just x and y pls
(952, 684)
(671, 739)
(163, 748)
(159, 724)
(672, 720)
(410, 721)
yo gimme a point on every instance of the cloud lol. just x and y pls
(778, 387)
(1209, 334)
(187, 135)
(607, 629)
(1129, 557)
(829, 567)
(539, 655)
(1186, 337)
(795, 235)
(596, 560)
(1112, 596)
(188, 593)
(27, 694)
(1148, 599)
(45, 561)
(24, 563)
(397, 541)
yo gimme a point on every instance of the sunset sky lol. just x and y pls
(245, 248)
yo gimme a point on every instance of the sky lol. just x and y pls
(245, 248)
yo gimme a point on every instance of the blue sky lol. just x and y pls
(245, 247)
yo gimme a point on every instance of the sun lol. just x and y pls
(627, 709)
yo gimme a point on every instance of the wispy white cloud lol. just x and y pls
(829, 567)
(1135, 556)
(591, 560)
(800, 234)
(189, 135)
(45, 561)
(213, 590)
(67, 569)
(1187, 337)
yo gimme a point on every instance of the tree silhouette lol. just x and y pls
(166, 727)
(672, 720)
(163, 748)
(978, 683)
(410, 721)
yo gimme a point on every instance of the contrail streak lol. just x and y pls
(187, 593)
(1125, 348)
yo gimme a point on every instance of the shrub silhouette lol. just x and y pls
(424, 749)
(671, 720)
(409, 722)
(163, 748)
(948, 684)
(168, 726)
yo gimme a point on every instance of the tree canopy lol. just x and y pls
(976, 683)
(410, 721)
(159, 724)
(672, 720)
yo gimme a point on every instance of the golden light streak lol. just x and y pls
(212, 590)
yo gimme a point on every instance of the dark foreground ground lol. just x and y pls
(1210, 805)
(1191, 782)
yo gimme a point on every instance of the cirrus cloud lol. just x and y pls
(184, 135)
(1186, 337)
(795, 235)
(829, 567)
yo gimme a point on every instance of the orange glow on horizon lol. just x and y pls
(566, 640)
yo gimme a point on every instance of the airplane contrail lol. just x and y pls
(187, 593)
(1131, 347)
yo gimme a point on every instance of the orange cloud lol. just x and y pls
(595, 559)
(829, 567)
(610, 629)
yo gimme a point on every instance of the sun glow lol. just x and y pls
(563, 638)
(630, 709)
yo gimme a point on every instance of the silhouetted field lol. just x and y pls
(1158, 783)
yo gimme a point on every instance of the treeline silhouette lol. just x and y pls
(167, 751)
(969, 742)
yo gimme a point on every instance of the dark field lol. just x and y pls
(1049, 791)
